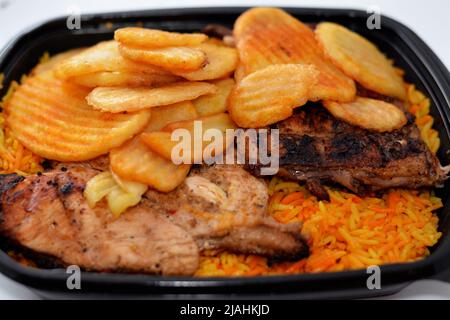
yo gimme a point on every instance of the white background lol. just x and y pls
(428, 18)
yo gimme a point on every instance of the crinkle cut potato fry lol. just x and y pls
(217, 102)
(52, 119)
(218, 42)
(360, 59)
(123, 79)
(162, 116)
(161, 142)
(102, 57)
(53, 61)
(221, 121)
(370, 114)
(267, 36)
(134, 161)
(120, 99)
(220, 62)
(269, 95)
(239, 73)
(170, 58)
(151, 38)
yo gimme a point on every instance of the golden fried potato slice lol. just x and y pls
(360, 59)
(269, 95)
(136, 162)
(239, 73)
(141, 170)
(371, 114)
(217, 42)
(120, 99)
(221, 121)
(220, 62)
(162, 116)
(151, 38)
(267, 36)
(123, 79)
(161, 142)
(217, 102)
(181, 58)
(52, 119)
(103, 57)
(53, 61)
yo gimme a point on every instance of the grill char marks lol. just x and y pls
(298, 149)
(328, 145)
(7, 182)
(316, 146)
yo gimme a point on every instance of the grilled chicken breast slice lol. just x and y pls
(225, 207)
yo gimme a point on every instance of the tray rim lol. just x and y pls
(430, 266)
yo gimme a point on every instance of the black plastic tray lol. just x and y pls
(409, 52)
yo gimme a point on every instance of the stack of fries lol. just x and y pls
(125, 97)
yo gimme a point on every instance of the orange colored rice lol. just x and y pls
(349, 232)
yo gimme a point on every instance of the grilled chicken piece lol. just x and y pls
(216, 208)
(225, 207)
(314, 146)
(48, 214)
